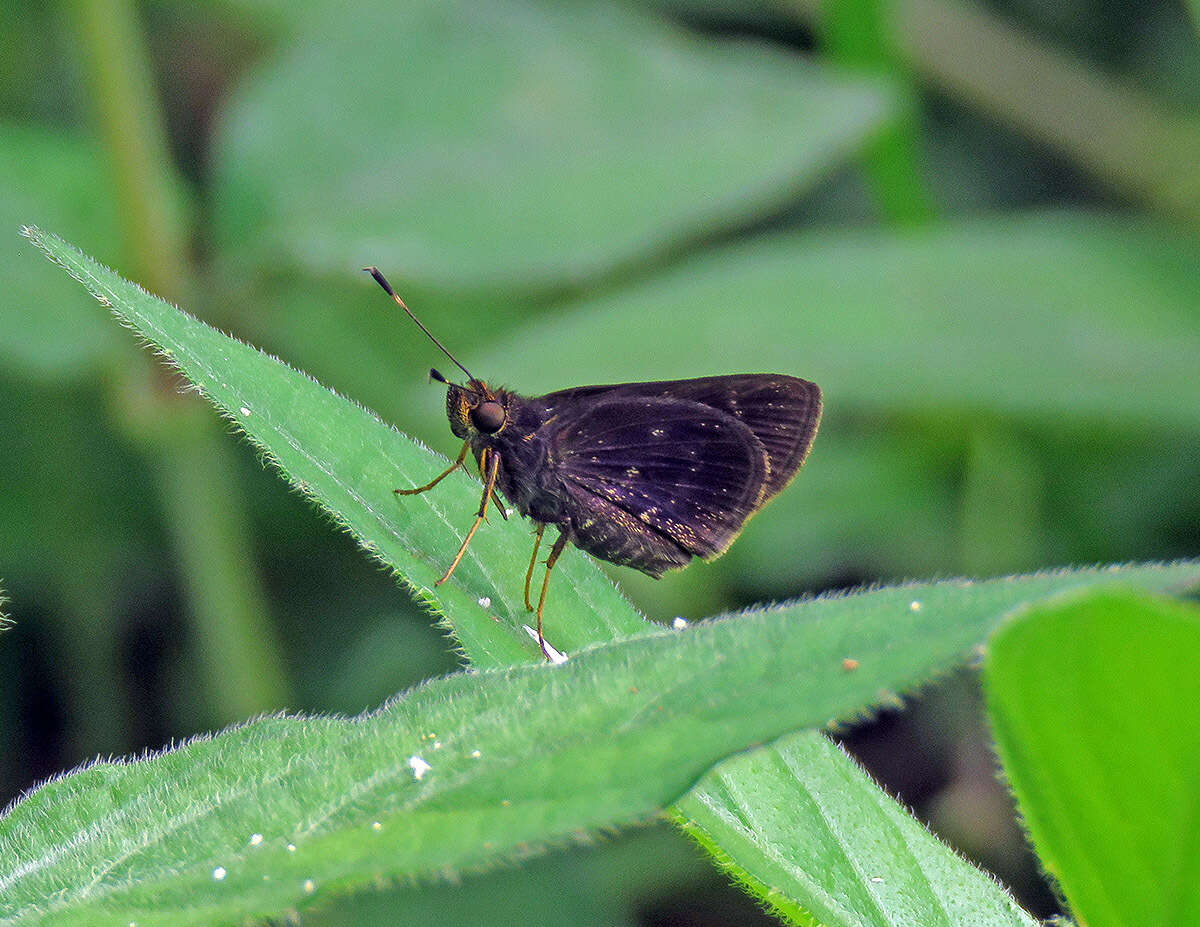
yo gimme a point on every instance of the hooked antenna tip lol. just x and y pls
(387, 288)
(381, 280)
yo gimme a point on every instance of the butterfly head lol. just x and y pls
(474, 409)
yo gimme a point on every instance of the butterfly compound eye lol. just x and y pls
(488, 417)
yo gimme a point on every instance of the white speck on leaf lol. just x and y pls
(219, 873)
(419, 767)
(256, 839)
(679, 623)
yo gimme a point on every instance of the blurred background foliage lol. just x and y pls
(976, 225)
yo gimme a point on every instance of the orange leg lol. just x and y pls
(462, 455)
(499, 504)
(555, 551)
(537, 542)
(490, 464)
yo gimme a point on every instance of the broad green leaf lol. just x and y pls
(518, 144)
(1093, 701)
(1039, 316)
(60, 178)
(605, 739)
(808, 832)
(350, 462)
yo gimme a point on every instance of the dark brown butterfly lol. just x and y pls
(646, 475)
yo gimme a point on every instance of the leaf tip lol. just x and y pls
(34, 234)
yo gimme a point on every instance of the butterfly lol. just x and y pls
(644, 475)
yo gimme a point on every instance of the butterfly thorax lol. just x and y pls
(524, 478)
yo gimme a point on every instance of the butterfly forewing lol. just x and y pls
(783, 412)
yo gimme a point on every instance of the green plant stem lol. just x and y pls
(1121, 136)
(125, 100)
(1000, 510)
(858, 35)
(201, 496)
(89, 651)
(239, 661)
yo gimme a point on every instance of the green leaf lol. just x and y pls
(826, 845)
(519, 144)
(606, 739)
(1038, 316)
(350, 462)
(1093, 701)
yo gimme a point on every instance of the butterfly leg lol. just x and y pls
(462, 455)
(555, 551)
(490, 463)
(537, 542)
(499, 505)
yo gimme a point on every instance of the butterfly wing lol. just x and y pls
(782, 412)
(655, 480)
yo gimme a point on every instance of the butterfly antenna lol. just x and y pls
(387, 288)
